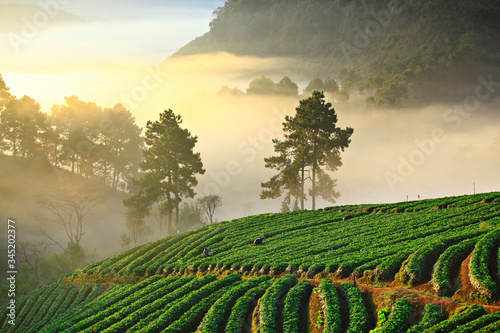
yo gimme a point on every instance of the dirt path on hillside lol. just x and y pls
(463, 284)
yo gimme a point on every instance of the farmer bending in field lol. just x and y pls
(258, 241)
(207, 252)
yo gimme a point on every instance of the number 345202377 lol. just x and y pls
(11, 240)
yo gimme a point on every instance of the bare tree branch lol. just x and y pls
(68, 208)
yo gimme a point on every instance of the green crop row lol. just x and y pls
(358, 316)
(140, 265)
(398, 319)
(193, 316)
(20, 302)
(214, 319)
(26, 309)
(143, 307)
(430, 253)
(330, 298)
(491, 328)
(295, 302)
(313, 240)
(144, 316)
(269, 307)
(469, 314)
(183, 304)
(432, 316)
(49, 308)
(244, 306)
(450, 258)
(121, 310)
(30, 314)
(93, 303)
(479, 323)
(479, 264)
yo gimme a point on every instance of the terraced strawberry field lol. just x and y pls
(417, 245)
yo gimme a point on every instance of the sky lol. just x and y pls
(112, 51)
(61, 46)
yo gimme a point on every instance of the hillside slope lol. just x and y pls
(400, 249)
(443, 43)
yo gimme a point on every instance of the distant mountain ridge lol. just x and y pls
(388, 43)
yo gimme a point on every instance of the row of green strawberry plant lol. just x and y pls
(331, 304)
(191, 318)
(4, 310)
(49, 308)
(269, 304)
(94, 303)
(485, 251)
(176, 251)
(398, 320)
(145, 315)
(29, 312)
(214, 320)
(292, 234)
(113, 314)
(343, 249)
(183, 304)
(479, 323)
(358, 315)
(465, 316)
(451, 257)
(174, 244)
(431, 316)
(244, 306)
(490, 328)
(25, 305)
(416, 264)
(295, 303)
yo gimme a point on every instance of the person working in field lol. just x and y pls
(207, 252)
(259, 240)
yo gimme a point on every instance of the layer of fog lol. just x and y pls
(394, 155)
(437, 150)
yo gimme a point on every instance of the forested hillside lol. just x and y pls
(394, 46)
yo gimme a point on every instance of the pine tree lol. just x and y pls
(170, 167)
(313, 142)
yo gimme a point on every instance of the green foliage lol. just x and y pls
(461, 318)
(170, 167)
(244, 306)
(295, 303)
(266, 86)
(185, 303)
(328, 293)
(261, 86)
(214, 319)
(269, 303)
(315, 84)
(191, 214)
(450, 258)
(479, 264)
(432, 316)
(382, 316)
(312, 143)
(371, 36)
(479, 323)
(286, 87)
(398, 320)
(358, 315)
